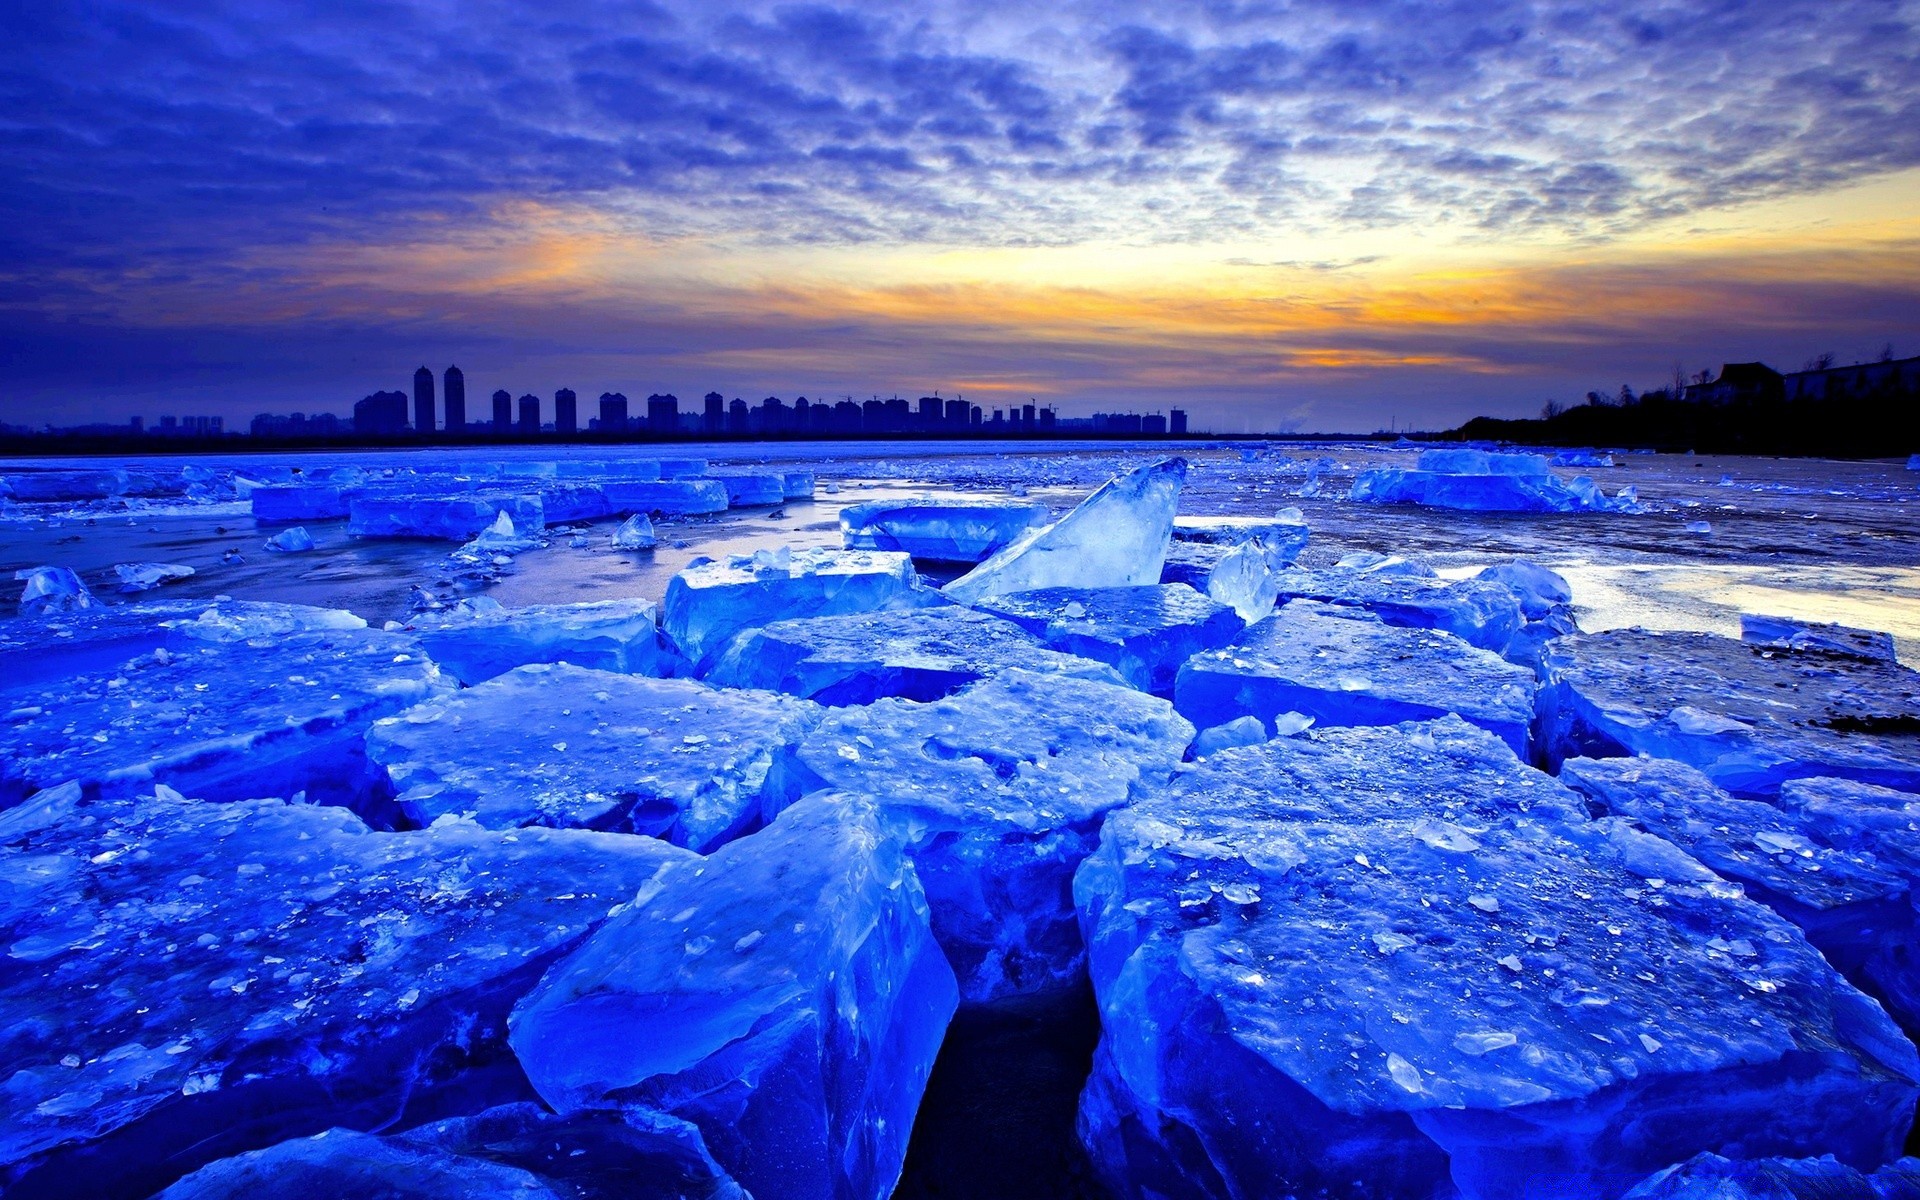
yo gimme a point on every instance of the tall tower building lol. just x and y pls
(502, 410)
(529, 413)
(456, 396)
(715, 418)
(613, 412)
(566, 412)
(663, 415)
(423, 401)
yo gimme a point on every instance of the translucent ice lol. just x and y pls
(452, 517)
(226, 976)
(635, 533)
(53, 486)
(1711, 1177)
(1117, 537)
(752, 489)
(998, 793)
(343, 1165)
(1478, 611)
(708, 602)
(300, 502)
(1345, 667)
(478, 638)
(1481, 481)
(503, 537)
(1749, 716)
(672, 497)
(1786, 633)
(52, 590)
(920, 654)
(291, 541)
(938, 530)
(1247, 579)
(144, 577)
(1399, 962)
(1584, 459)
(1285, 535)
(1144, 632)
(1539, 590)
(797, 485)
(784, 995)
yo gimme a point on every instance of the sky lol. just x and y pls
(1319, 215)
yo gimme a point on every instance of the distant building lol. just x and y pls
(1859, 380)
(663, 415)
(295, 425)
(957, 413)
(613, 412)
(456, 399)
(1744, 383)
(1153, 423)
(1026, 416)
(502, 410)
(1177, 421)
(737, 416)
(931, 409)
(714, 418)
(1047, 420)
(423, 401)
(566, 412)
(378, 414)
(529, 414)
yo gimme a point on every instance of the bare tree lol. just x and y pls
(1886, 353)
(1550, 410)
(1820, 362)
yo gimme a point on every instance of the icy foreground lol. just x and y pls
(1117, 537)
(561, 746)
(1398, 962)
(1145, 632)
(784, 995)
(1343, 666)
(917, 654)
(1750, 716)
(997, 793)
(709, 602)
(478, 638)
(938, 530)
(1711, 1177)
(190, 980)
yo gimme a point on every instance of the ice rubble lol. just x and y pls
(52, 590)
(917, 654)
(144, 577)
(559, 745)
(1711, 1177)
(1749, 716)
(1480, 612)
(1117, 537)
(1486, 482)
(478, 638)
(1344, 666)
(708, 602)
(1145, 632)
(1787, 633)
(291, 541)
(784, 995)
(226, 976)
(1399, 962)
(1855, 901)
(635, 533)
(1284, 533)
(246, 701)
(455, 518)
(938, 530)
(998, 793)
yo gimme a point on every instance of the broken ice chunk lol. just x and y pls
(350, 1166)
(1539, 591)
(1145, 632)
(1750, 717)
(1344, 667)
(478, 638)
(708, 602)
(300, 502)
(938, 530)
(232, 975)
(673, 497)
(1247, 580)
(998, 792)
(144, 577)
(52, 590)
(921, 654)
(1285, 535)
(1481, 481)
(1481, 613)
(635, 533)
(750, 489)
(1117, 537)
(1786, 633)
(558, 745)
(800, 1053)
(291, 541)
(452, 517)
(502, 537)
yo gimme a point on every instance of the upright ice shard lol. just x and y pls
(1399, 962)
(635, 533)
(190, 980)
(784, 995)
(918, 654)
(1145, 632)
(291, 541)
(1345, 667)
(708, 602)
(997, 793)
(1117, 537)
(939, 530)
(560, 746)
(478, 638)
(1751, 717)
(52, 590)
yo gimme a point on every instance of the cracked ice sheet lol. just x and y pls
(1397, 961)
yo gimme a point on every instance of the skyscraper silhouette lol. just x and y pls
(456, 395)
(566, 412)
(423, 401)
(502, 410)
(529, 413)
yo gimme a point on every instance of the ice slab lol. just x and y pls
(1854, 901)
(670, 497)
(708, 602)
(1751, 717)
(56, 486)
(454, 518)
(1145, 632)
(1786, 633)
(784, 995)
(998, 793)
(682, 468)
(144, 577)
(284, 503)
(189, 981)
(919, 654)
(1479, 612)
(1711, 1177)
(291, 541)
(938, 530)
(1481, 462)
(1486, 482)
(560, 746)
(1117, 537)
(1584, 459)
(635, 533)
(1343, 666)
(798, 485)
(341, 1164)
(478, 638)
(567, 502)
(232, 706)
(749, 489)
(1399, 962)
(52, 590)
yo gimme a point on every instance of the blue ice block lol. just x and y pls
(1479, 612)
(563, 503)
(1285, 534)
(1786, 633)
(1541, 592)
(52, 590)
(1400, 962)
(998, 793)
(1712, 1177)
(708, 602)
(293, 503)
(797, 485)
(341, 1164)
(1477, 480)
(917, 654)
(561, 746)
(1117, 537)
(1145, 632)
(1343, 666)
(784, 995)
(189, 980)
(1751, 717)
(450, 517)
(478, 638)
(672, 497)
(747, 489)
(51, 486)
(939, 530)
